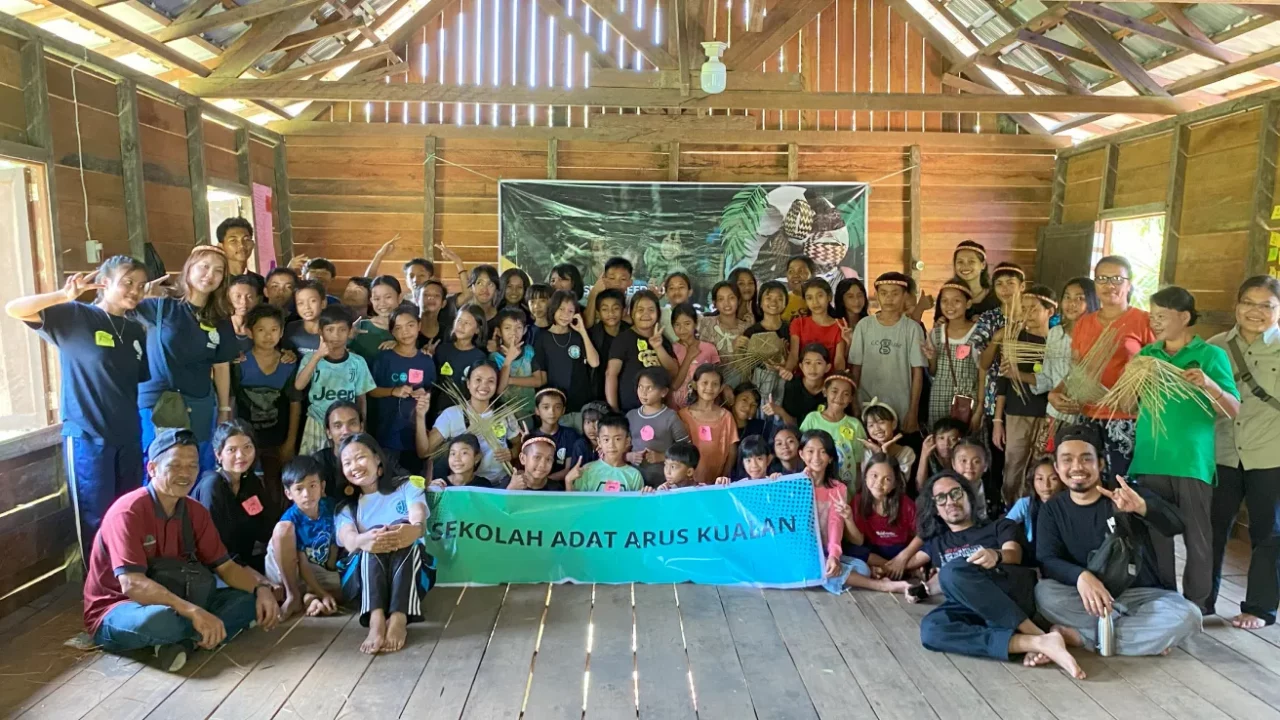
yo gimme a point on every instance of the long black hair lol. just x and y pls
(754, 300)
(832, 474)
(388, 481)
(843, 287)
(892, 502)
(928, 524)
(573, 275)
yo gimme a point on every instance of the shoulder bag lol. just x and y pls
(1245, 375)
(184, 576)
(961, 403)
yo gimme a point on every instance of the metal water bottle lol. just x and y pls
(1106, 636)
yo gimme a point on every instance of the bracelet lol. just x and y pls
(998, 420)
(224, 408)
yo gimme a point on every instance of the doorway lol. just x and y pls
(1141, 241)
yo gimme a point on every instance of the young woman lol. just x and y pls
(482, 386)
(691, 352)
(745, 281)
(969, 263)
(886, 520)
(404, 375)
(379, 522)
(1078, 298)
(639, 346)
(1177, 461)
(818, 326)
(725, 327)
(952, 359)
(245, 507)
(711, 427)
(101, 353)
(567, 277)
(564, 356)
(190, 346)
(850, 305)
(371, 334)
(458, 354)
(432, 298)
(1248, 457)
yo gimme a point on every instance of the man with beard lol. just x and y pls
(988, 604)
(1149, 618)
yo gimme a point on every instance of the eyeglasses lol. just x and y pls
(1265, 307)
(1111, 279)
(955, 496)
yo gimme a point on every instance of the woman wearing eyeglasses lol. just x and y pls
(1247, 454)
(1113, 277)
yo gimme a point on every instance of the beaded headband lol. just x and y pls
(957, 287)
(1011, 269)
(974, 248)
(538, 439)
(892, 281)
(1046, 300)
(555, 391)
(839, 376)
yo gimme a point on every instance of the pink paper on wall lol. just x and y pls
(263, 228)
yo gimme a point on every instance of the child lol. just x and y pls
(952, 359)
(835, 420)
(617, 275)
(517, 381)
(773, 300)
(303, 335)
(332, 374)
(690, 353)
(302, 547)
(371, 334)
(677, 288)
(457, 354)
(786, 451)
(1007, 281)
(883, 437)
(937, 449)
(567, 446)
(835, 519)
(800, 270)
(265, 395)
(610, 473)
(754, 458)
(403, 375)
(711, 427)
(244, 293)
(537, 456)
(803, 393)
(592, 414)
(638, 347)
(610, 305)
(886, 520)
(818, 326)
(464, 458)
(970, 458)
(654, 426)
(379, 522)
(356, 296)
(886, 355)
(564, 356)
(679, 469)
(539, 294)
(482, 386)
(1041, 484)
(745, 408)
(280, 286)
(1021, 425)
(724, 327)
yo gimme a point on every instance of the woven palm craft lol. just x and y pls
(1152, 383)
(502, 414)
(763, 349)
(1084, 380)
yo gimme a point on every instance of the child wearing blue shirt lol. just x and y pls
(404, 375)
(517, 381)
(570, 447)
(303, 553)
(331, 374)
(1041, 484)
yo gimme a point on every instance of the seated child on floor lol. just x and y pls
(680, 465)
(655, 427)
(610, 473)
(935, 454)
(1041, 484)
(831, 497)
(883, 437)
(568, 447)
(302, 555)
(464, 457)
(537, 455)
(971, 459)
(889, 553)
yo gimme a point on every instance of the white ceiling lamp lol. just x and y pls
(714, 74)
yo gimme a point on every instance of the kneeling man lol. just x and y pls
(1148, 618)
(149, 583)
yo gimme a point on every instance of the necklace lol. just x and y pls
(568, 339)
(112, 322)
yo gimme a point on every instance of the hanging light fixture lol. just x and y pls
(714, 74)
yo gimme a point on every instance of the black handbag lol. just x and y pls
(184, 576)
(1115, 561)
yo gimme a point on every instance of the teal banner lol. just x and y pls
(759, 534)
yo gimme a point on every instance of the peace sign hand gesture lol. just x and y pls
(159, 287)
(81, 283)
(846, 332)
(572, 476)
(448, 254)
(1124, 498)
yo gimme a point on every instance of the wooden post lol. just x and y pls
(793, 161)
(1059, 190)
(1264, 183)
(135, 200)
(243, 173)
(1173, 202)
(429, 197)
(195, 170)
(553, 158)
(281, 196)
(35, 98)
(915, 263)
(1107, 188)
(673, 161)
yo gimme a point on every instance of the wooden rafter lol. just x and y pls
(243, 13)
(295, 54)
(386, 15)
(1218, 38)
(1222, 72)
(1114, 54)
(1027, 76)
(195, 10)
(53, 12)
(1052, 14)
(638, 38)
(319, 32)
(259, 40)
(1062, 49)
(1053, 61)
(783, 21)
(571, 25)
(316, 69)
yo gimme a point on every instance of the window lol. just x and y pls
(1141, 241)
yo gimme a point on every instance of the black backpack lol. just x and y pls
(1115, 561)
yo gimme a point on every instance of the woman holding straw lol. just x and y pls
(1181, 383)
(1248, 456)
(1121, 331)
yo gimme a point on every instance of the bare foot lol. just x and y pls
(1069, 635)
(374, 642)
(315, 607)
(1165, 652)
(292, 604)
(1245, 621)
(397, 631)
(1053, 646)
(1035, 659)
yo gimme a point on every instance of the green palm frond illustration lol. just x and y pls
(739, 222)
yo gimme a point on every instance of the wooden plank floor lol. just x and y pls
(571, 652)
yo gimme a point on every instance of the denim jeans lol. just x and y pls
(130, 626)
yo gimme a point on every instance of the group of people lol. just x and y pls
(285, 438)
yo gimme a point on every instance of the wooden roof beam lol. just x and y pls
(243, 13)
(243, 53)
(1027, 76)
(1049, 59)
(570, 25)
(1062, 49)
(639, 39)
(784, 20)
(319, 32)
(1114, 54)
(317, 69)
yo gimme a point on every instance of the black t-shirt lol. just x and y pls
(452, 367)
(1066, 533)
(1026, 404)
(636, 355)
(990, 302)
(783, 331)
(245, 520)
(797, 400)
(948, 545)
(603, 343)
(564, 359)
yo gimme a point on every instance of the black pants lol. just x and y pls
(387, 582)
(1260, 491)
(980, 613)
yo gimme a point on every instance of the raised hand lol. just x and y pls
(929, 349)
(81, 283)
(423, 405)
(512, 352)
(770, 407)
(448, 254)
(722, 481)
(518, 481)
(572, 476)
(298, 262)
(929, 446)
(1124, 498)
(846, 332)
(160, 287)
(323, 348)
(430, 347)
(577, 325)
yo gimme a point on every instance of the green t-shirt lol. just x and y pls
(1186, 448)
(600, 476)
(848, 434)
(365, 339)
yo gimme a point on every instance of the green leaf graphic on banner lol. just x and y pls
(739, 222)
(854, 211)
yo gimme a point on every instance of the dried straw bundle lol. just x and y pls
(1084, 381)
(763, 349)
(502, 414)
(1152, 383)
(1019, 352)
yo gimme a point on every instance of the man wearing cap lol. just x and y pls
(151, 578)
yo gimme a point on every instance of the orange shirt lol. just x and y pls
(714, 441)
(1133, 330)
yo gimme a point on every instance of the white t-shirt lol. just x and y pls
(378, 510)
(452, 423)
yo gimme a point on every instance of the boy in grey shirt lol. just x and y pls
(886, 354)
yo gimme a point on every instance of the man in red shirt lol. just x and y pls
(140, 594)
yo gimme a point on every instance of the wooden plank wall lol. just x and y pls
(851, 46)
(1216, 202)
(37, 525)
(351, 193)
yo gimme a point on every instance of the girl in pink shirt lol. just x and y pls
(835, 519)
(690, 353)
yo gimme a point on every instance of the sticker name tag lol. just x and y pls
(415, 376)
(704, 433)
(612, 486)
(253, 505)
(102, 338)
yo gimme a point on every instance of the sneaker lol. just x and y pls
(171, 658)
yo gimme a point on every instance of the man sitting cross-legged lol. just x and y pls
(149, 584)
(988, 595)
(1148, 618)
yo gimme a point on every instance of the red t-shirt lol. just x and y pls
(134, 531)
(806, 331)
(881, 531)
(1133, 329)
